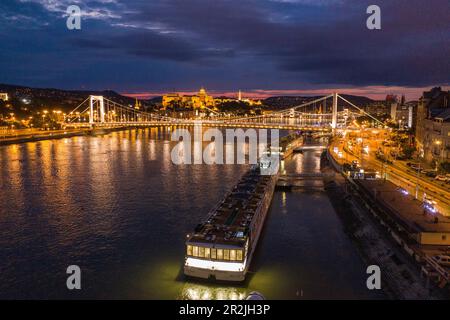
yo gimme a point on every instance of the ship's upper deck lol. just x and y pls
(228, 223)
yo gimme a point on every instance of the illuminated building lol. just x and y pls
(250, 102)
(137, 104)
(198, 101)
(433, 125)
(3, 96)
(202, 100)
(402, 114)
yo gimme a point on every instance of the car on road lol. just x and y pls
(429, 173)
(402, 190)
(441, 177)
(428, 200)
(443, 260)
(414, 165)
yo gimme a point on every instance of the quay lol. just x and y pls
(41, 135)
(419, 230)
(35, 135)
(420, 223)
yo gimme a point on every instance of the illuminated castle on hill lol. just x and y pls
(201, 100)
(198, 101)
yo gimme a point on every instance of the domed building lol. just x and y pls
(198, 101)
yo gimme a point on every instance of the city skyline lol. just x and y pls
(264, 48)
(375, 93)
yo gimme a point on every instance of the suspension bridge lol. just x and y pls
(98, 111)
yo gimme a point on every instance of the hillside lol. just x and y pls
(35, 99)
(282, 102)
(50, 98)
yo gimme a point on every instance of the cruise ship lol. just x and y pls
(288, 144)
(222, 247)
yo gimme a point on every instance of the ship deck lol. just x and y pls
(228, 223)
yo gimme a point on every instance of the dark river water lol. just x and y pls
(116, 206)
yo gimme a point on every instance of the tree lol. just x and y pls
(407, 150)
(445, 167)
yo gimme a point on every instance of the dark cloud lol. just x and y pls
(153, 45)
(248, 43)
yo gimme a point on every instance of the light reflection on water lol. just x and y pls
(203, 292)
(117, 206)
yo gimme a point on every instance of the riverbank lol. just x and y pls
(416, 185)
(401, 274)
(55, 135)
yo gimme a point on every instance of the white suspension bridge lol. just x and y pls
(98, 111)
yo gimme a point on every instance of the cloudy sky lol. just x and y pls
(263, 47)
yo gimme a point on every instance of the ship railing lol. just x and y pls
(212, 212)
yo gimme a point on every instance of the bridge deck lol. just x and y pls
(205, 124)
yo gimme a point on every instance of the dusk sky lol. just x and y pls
(263, 47)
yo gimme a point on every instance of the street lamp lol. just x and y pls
(441, 154)
(419, 167)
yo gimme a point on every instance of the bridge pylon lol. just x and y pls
(335, 111)
(92, 101)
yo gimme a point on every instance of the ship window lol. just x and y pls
(219, 254)
(207, 253)
(226, 254)
(189, 250)
(201, 252)
(213, 254)
(239, 255)
(233, 255)
(195, 251)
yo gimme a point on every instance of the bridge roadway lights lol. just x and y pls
(225, 125)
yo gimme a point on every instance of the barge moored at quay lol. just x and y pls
(288, 144)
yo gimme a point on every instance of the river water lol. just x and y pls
(116, 206)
